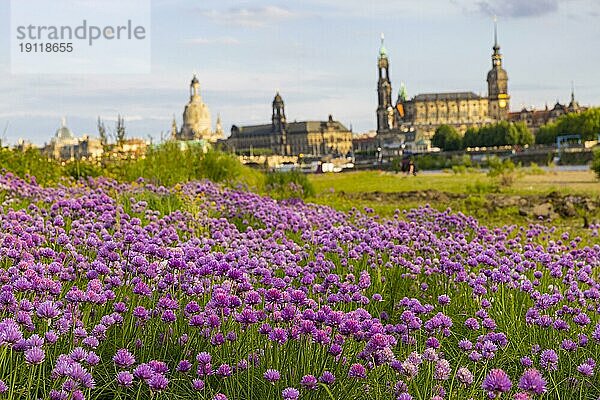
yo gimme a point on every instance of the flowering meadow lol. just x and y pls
(133, 291)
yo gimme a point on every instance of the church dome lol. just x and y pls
(196, 115)
(63, 133)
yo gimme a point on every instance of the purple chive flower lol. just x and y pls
(158, 382)
(224, 370)
(472, 323)
(357, 371)
(596, 333)
(272, 375)
(442, 370)
(159, 367)
(496, 382)
(204, 358)
(92, 358)
(198, 384)
(278, 335)
(47, 310)
(77, 395)
(465, 345)
(242, 365)
(168, 316)
(143, 371)
(526, 361)
(78, 354)
(125, 378)
(444, 300)
(91, 341)
(3, 387)
(532, 382)
(568, 345)
(309, 382)
(58, 395)
(464, 376)
(549, 360)
(51, 337)
(327, 378)
(184, 366)
(123, 358)
(219, 396)
(120, 307)
(290, 394)
(586, 369)
(432, 342)
(35, 356)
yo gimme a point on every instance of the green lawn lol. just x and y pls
(577, 182)
(375, 189)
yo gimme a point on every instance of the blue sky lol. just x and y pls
(320, 54)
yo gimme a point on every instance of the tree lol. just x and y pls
(547, 134)
(586, 124)
(519, 134)
(439, 137)
(120, 130)
(447, 138)
(471, 138)
(102, 132)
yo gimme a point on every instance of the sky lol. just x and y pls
(321, 55)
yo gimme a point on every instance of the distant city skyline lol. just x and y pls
(320, 55)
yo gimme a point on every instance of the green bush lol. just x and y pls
(535, 169)
(504, 172)
(285, 185)
(82, 169)
(169, 164)
(33, 163)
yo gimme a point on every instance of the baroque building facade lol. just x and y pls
(197, 122)
(534, 118)
(280, 137)
(65, 146)
(410, 123)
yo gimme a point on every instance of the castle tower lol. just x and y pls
(384, 92)
(497, 79)
(278, 126)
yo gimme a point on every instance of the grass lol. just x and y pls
(375, 189)
(575, 182)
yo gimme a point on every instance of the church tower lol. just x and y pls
(174, 131)
(278, 126)
(384, 92)
(497, 80)
(196, 116)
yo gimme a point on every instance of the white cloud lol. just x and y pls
(517, 8)
(250, 17)
(226, 40)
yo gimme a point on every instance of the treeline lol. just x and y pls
(586, 124)
(503, 133)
